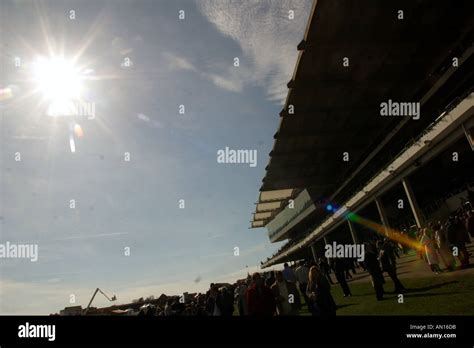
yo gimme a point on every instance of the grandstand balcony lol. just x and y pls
(288, 219)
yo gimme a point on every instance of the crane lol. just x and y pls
(114, 298)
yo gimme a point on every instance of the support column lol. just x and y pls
(326, 242)
(313, 250)
(413, 203)
(469, 133)
(355, 238)
(383, 214)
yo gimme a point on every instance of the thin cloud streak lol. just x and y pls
(93, 236)
(266, 35)
(231, 83)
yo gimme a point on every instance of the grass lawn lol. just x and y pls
(443, 294)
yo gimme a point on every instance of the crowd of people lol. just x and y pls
(446, 244)
(442, 245)
(282, 292)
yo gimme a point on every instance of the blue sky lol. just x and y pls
(173, 156)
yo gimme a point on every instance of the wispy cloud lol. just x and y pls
(242, 252)
(176, 62)
(266, 35)
(143, 117)
(120, 45)
(230, 82)
(224, 254)
(157, 124)
(29, 137)
(94, 236)
(257, 248)
(216, 236)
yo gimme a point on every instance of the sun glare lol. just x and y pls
(57, 80)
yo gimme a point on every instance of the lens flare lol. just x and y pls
(78, 132)
(57, 79)
(6, 93)
(390, 233)
(385, 231)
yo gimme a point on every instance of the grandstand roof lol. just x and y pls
(336, 107)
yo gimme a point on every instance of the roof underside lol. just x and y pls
(337, 107)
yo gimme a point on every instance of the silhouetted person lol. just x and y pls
(225, 301)
(240, 294)
(457, 237)
(212, 308)
(288, 273)
(443, 247)
(340, 268)
(389, 264)
(319, 294)
(470, 196)
(470, 222)
(373, 267)
(260, 300)
(287, 297)
(302, 273)
(429, 244)
(347, 267)
(270, 279)
(325, 269)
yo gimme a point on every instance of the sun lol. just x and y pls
(57, 79)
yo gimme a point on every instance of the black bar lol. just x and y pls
(241, 330)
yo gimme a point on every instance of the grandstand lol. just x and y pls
(334, 153)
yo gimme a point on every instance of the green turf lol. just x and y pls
(436, 295)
